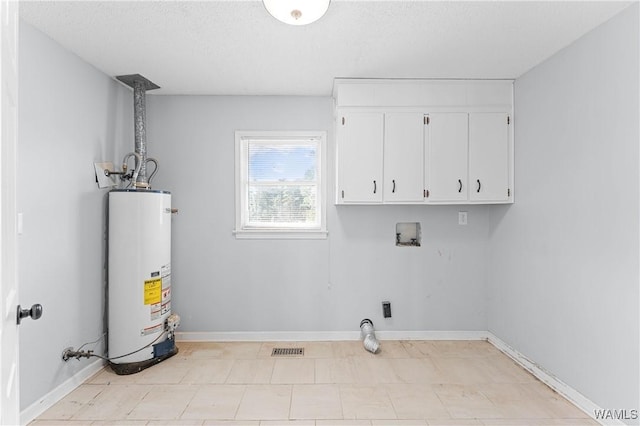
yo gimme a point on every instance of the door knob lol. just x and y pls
(35, 312)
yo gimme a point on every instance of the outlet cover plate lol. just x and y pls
(462, 218)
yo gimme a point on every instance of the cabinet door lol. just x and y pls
(488, 156)
(403, 157)
(446, 160)
(359, 137)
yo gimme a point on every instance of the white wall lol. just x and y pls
(563, 278)
(70, 115)
(226, 285)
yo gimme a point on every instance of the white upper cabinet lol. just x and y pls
(424, 141)
(360, 150)
(467, 158)
(489, 156)
(380, 158)
(446, 157)
(403, 157)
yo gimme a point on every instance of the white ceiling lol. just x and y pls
(236, 48)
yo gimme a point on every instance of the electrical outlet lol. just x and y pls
(386, 309)
(462, 218)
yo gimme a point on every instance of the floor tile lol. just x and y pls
(170, 371)
(316, 402)
(114, 403)
(106, 376)
(463, 348)
(318, 349)
(251, 371)
(234, 350)
(416, 401)
(537, 389)
(350, 349)
(419, 348)
(340, 370)
(507, 422)
(293, 370)
(208, 371)
(416, 370)
(374, 370)
(466, 402)
(465, 371)
(450, 348)
(392, 349)
(504, 370)
(265, 402)
(366, 402)
(68, 406)
(340, 422)
(218, 402)
(562, 409)
(565, 422)
(514, 401)
(163, 403)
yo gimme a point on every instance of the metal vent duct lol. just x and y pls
(140, 86)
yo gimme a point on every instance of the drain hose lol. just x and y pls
(368, 336)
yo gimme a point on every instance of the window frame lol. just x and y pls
(242, 229)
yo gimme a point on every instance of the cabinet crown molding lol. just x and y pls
(423, 93)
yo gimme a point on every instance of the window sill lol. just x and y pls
(278, 234)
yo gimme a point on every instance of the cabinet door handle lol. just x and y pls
(459, 185)
(375, 187)
(394, 186)
(479, 185)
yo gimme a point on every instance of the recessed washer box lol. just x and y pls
(408, 234)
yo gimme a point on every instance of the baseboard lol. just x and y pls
(575, 397)
(321, 336)
(265, 336)
(43, 404)
(430, 335)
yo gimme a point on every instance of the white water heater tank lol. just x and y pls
(139, 291)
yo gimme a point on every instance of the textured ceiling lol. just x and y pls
(236, 48)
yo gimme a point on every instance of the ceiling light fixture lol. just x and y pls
(297, 12)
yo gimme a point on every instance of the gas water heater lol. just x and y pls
(140, 323)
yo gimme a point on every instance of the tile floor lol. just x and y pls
(334, 383)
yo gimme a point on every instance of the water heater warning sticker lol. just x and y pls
(153, 291)
(155, 311)
(151, 330)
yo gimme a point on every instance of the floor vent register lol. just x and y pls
(287, 352)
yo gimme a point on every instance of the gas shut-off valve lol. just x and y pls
(173, 322)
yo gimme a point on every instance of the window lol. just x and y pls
(280, 188)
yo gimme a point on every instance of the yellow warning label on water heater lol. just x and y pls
(153, 291)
